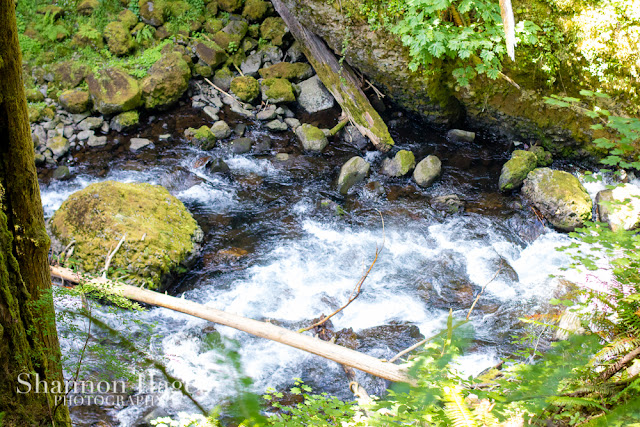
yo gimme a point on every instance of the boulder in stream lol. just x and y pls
(113, 91)
(353, 171)
(246, 88)
(427, 171)
(75, 101)
(311, 138)
(162, 238)
(559, 196)
(516, 169)
(314, 96)
(620, 207)
(276, 91)
(166, 81)
(401, 164)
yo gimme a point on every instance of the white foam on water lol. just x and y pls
(244, 164)
(211, 198)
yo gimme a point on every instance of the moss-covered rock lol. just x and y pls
(211, 9)
(86, 7)
(245, 88)
(255, 10)
(427, 171)
(223, 78)
(286, 70)
(166, 81)
(54, 11)
(277, 90)
(353, 171)
(38, 111)
(113, 91)
(544, 157)
(229, 5)
(210, 53)
(152, 12)
(75, 101)
(213, 25)
(401, 164)
(226, 41)
(202, 69)
(69, 74)
(59, 146)
(273, 29)
(125, 121)
(118, 38)
(311, 138)
(161, 236)
(128, 18)
(201, 137)
(34, 95)
(559, 196)
(237, 28)
(516, 169)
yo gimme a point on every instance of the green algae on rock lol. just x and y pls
(516, 169)
(119, 38)
(113, 91)
(75, 101)
(166, 81)
(311, 138)
(286, 70)
(276, 91)
(245, 88)
(162, 237)
(402, 163)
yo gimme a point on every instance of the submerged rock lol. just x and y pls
(311, 138)
(314, 96)
(516, 170)
(620, 207)
(427, 171)
(559, 196)
(353, 171)
(113, 91)
(461, 135)
(401, 164)
(161, 235)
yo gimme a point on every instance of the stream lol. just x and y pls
(282, 245)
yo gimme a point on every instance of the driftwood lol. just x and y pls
(330, 351)
(340, 80)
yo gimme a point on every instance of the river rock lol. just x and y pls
(620, 207)
(68, 74)
(246, 88)
(353, 171)
(223, 78)
(202, 137)
(255, 10)
(210, 53)
(241, 145)
(166, 81)
(449, 203)
(119, 38)
(311, 138)
(251, 64)
(125, 121)
(137, 144)
(285, 70)
(152, 12)
(113, 91)
(273, 29)
(314, 96)
(516, 170)
(559, 196)
(161, 236)
(221, 129)
(75, 101)
(461, 135)
(97, 141)
(268, 113)
(293, 123)
(401, 164)
(277, 126)
(277, 90)
(271, 54)
(427, 171)
(62, 173)
(85, 134)
(217, 166)
(91, 123)
(59, 146)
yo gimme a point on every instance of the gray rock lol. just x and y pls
(59, 146)
(90, 123)
(68, 131)
(197, 105)
(516, 169)
(277, 126)
(271, 54)
(427, 171)
(282, 157)
(241, 145)
(314, 96)
(262, 146)
(449, 203)
(351, 135)
(252, 64)
(353, 171)
(212, 112)
(40, 159)
(238, 109)
(559, 196)
(240, 129)
(62, 173)
(215, 101)
(221, 129)
(97, 141)
(401, 164)
(613, 209)
(268, 113)
(311, 138)
(138, 143)
(77, 118)
(164, 137)
(461, 135)
(105, 127)
(85, 134)
(293, 123)
(41, 134)
(294, 54)
(217, 166)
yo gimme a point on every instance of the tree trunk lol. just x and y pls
(28, 337)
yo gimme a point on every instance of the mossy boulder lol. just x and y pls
(213, 25)
(276, 91)
(210, 53)
(54, 11)
(620, 207)
(223, 78)
(75, 101)
(113, 91)
(245, 88)
(559, 196)
(544, 157)
(211, 9)
(68, 74)
(273, 29)
(286, 70)
(162, 237)
(152, 12)
(255, 10)
(201, 137)
(401, 164)
(311, 138)
(128, 18)
(38, 111)
(125, 121)
(86, 7)
(226, 41)
(34, 95)
(118, 38)
(229, 5)
(166, 81)
(202, 69)
(237, 28)
(427, 171)
(353, 171)
(516, 170)
(59, 146)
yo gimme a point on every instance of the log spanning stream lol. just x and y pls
(282, 245)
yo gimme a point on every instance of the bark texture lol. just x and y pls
(28, 337)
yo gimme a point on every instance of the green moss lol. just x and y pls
(407, 161)
(273, 29)
(125, 120)
(128, 18)
(166, 81)
(287, 70)
(75, 100)
(226, 40)
(118, 38)
(254, 10)
(544, 158)
(33, 95)
(202, 137)
(277, 90)
(160, 231)
(114, 91)
(245, 88)
(516, 169)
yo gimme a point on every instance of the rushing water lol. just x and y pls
(275, 251)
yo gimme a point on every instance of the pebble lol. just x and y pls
(212, 112)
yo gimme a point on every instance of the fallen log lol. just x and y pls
(328, 350)
(340, 80)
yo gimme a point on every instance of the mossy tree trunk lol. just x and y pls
(28, 338)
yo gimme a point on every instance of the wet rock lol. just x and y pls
(285, 70)
(277, 126)
(68, 74)
(217, 166)
(395, 336)
(460, 135)
(166, 81)
(427, 171)
(75, 101)
(241, 145)
(202, 137)
(162, 237)
(240, 129)
(271, 54)
(294, 54)
(221, 129)
(119, 38)
(268, 113)
(97, 141)
(292, 123)
(311, 138)
(40, 159)
(125, 121)
(137, 144)
(210, 53)
(245, 88)
(355, 170)
(516, 170)
(113, 91)
(559, 196)
(544, 157)
(401, 164)
(105, 127)
(262, 146)
(59, 146)
(222, 78)
(276, 91)
(252, 64)
(229, 5)
(620, 207)
(85, 134)
(449, 203)
(273, 29)
(212, 112)
(352, 136)
(314, 96)
(152, 12)
(91, 123)
(255, 10)
(62, 173)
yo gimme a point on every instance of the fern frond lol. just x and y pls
(574, 402)
(616, 348)
(456, 409)
(484, 416)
